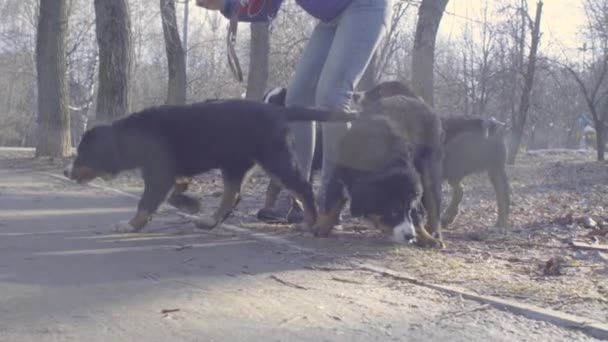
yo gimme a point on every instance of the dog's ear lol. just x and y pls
(362, 199)
(106, 139)
(403, 182)
(114, 150)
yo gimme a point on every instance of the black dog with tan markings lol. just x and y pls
(172, 143)
(375, 168)
(471, 145)
(422, 128)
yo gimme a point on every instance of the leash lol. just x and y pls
(233, 60)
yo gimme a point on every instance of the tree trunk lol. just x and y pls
(185, 34)
(423, 56)
(53, 114)
(113, 29)
(519, 122)
(600, 140)
(258, 61)
(176, 55)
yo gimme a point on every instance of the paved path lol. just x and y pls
(65, 276)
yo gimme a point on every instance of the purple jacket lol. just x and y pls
(261, 10)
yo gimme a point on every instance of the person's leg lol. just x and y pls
(358, 32)
(301, 92)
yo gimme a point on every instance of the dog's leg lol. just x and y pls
(431, 198)
(452, 211)
(181, 201)
(500, 182)
(157, 183)
(426, 240)
(233, 179)
(335, 200)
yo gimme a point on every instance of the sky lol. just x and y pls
(560, 23)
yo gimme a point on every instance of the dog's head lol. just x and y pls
(383, 90)
(390, 201)
(98, 155)
(455, 125)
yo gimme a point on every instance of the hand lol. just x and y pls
(211, 4)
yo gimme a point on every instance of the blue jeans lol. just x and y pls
(327, 73)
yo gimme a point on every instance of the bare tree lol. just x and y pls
(592, 77)
(258, 60)
(176, 55)
(113, 29)
(53, 114)
(593, 89)
(81, 65)
(477, 65)
(390, 44)
(185, 31)
(423, 56)
(518, 120)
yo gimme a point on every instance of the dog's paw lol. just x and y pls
(321, 231)
(302, 227)
(124, 227)
(432, 243)
(205, 222)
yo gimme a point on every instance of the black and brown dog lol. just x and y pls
(422, 128)
(471, 145)
(375, 168)
(171, 143)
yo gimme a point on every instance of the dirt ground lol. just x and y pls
(557, 197)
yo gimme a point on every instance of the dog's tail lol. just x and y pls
(311, 114)
(455, 126)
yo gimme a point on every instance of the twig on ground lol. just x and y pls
(188, 260)
(464, 312)
(348, 281)
(166, 311)
(182, 247)
(330, 269)
(337, 318)
(287, 283)
(191, 285)
(587, 246)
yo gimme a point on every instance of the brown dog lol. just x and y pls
(470, 152)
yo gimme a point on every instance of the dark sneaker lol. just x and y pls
(270, 215)
(295, 215)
